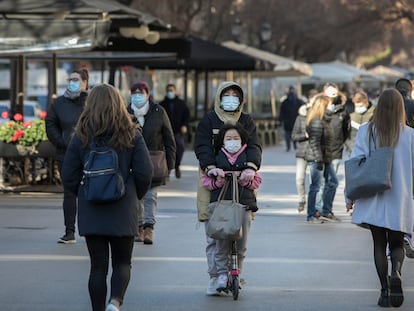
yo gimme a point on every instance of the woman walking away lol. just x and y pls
(389, 215)
(109, 228)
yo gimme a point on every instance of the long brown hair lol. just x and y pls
(388, 117)
(319, 106)
(105, 116)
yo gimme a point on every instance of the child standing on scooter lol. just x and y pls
(231, 155)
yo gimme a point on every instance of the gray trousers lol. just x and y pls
(218, 251)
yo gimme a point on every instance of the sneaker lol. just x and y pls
(330, 217)
(111, 307)
(408, 246)
(301, 206)
(314, 220)
(68, 238)
(211, 287)
(242, 282)
(222, 282)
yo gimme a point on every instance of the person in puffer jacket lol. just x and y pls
(231, 157)
(319, 158)
(228, 106)
(300, 137)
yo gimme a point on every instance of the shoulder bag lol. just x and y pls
(226, 216)
(159, 163)
(368, 175)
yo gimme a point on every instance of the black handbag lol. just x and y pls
(159, 163)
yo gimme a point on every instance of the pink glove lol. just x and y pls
(247, 175)
(217, 172)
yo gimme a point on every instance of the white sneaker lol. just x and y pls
(222, 282)
(111, 307)
(211, 287)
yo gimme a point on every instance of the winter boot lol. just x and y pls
(148, 235)
(140, 235)
(384, 298)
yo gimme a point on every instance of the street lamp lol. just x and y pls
(236, 29)
(265, 35)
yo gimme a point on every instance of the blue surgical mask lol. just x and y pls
(230, 103)
(170, 95)
(74, 86)
(232, 146)
(138, 100)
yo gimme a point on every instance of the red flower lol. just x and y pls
(27, 124)
(18, 117)
(4, 114)
(42, 114)
(18, 134)
(13, 138)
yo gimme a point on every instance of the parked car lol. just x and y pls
(31, 110)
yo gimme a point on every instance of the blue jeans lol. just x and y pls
(147, 208)
(329, 190)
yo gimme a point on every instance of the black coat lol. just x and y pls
(61, 120)
(118, 218)
(320, 140)
(158, 134)
(289, 111)
(206, 134)
(177, 112)
(341, 125)
(246, 196)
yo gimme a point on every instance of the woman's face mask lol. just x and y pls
(230, 103)
(74, 86)
(360, 109)
(232, 146)
(138, 100)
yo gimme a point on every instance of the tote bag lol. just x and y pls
(368, 175)
(226, 216)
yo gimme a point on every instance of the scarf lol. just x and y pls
(72, 95)
(140, 113)
(233, 157)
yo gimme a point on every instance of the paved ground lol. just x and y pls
(291, 265)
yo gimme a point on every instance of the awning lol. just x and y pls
(338, 72)
(28, 26)
(279, 66)
(191, 53)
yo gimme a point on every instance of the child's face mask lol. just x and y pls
(232, 146)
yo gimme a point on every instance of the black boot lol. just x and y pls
(384, 298)
(396, 293)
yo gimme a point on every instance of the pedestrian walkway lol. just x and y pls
(290, 265)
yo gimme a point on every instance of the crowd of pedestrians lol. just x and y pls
(324, 130)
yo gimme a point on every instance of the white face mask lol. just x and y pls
(230, 103)
(331, 107)
(360, 109)
(232, 146)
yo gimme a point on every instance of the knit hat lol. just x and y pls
(140, 85)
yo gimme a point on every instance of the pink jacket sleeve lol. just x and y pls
(211, 183)
(253, 184)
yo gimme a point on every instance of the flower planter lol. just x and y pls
(44, 149)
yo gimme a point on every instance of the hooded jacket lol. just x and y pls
(320, 139)
(298, 132)
(205, 137)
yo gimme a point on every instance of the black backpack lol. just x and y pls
(102, 179)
